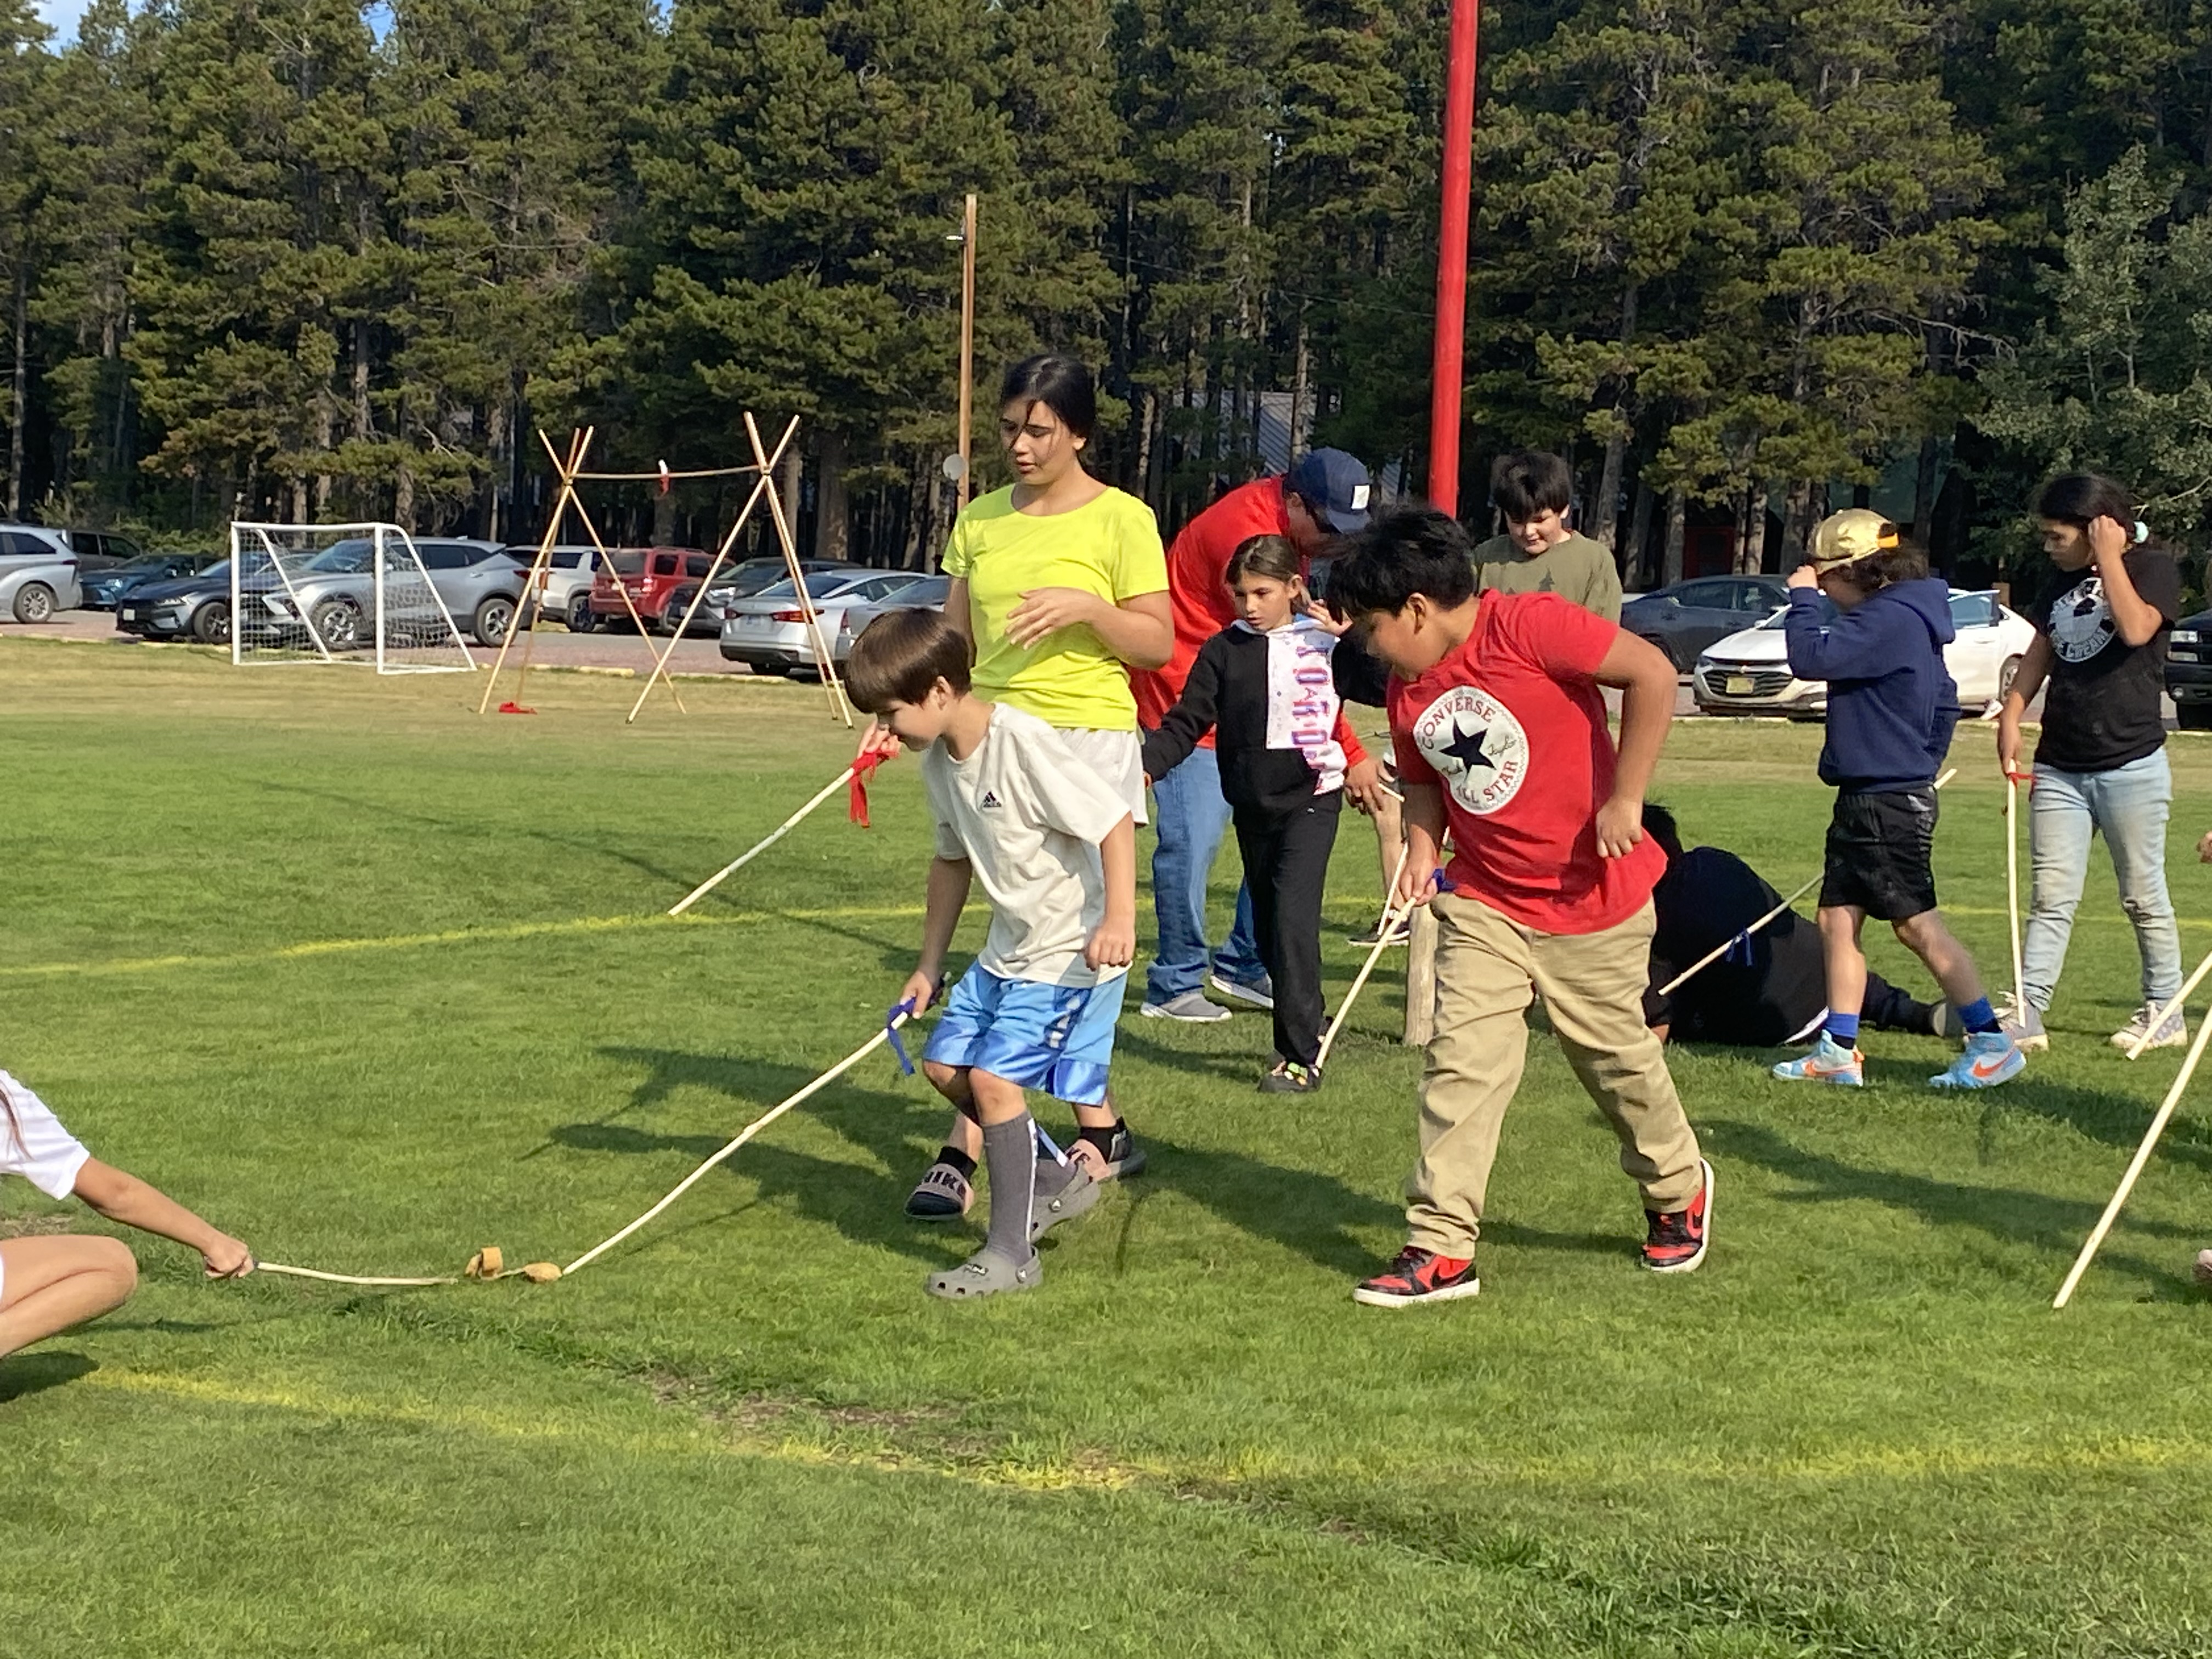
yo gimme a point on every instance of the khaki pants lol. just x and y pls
(1592, 989)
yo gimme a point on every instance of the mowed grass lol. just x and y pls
(373, 982)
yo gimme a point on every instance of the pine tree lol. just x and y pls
(24, 67)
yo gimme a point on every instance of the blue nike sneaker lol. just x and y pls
(1829, 1062)
(1990, 1058)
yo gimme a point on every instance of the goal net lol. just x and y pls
(338, 592)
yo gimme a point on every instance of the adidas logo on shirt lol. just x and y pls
(990, 799)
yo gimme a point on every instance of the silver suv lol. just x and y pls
(480, 583)
(38, 572)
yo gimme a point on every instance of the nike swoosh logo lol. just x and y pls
(1991, 1068)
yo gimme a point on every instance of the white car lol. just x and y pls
(1748, 673)
(565, 591)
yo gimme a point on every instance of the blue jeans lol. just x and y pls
(1190, 817)
(2066, 810)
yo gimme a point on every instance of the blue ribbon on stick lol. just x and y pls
(890, 1030)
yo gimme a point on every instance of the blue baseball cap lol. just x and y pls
(1333, 484)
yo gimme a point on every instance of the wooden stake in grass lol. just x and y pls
(2012, 891)
(1392, 913)
(754, 852)
(2142, 1154)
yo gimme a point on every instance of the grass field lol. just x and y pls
(372, 982)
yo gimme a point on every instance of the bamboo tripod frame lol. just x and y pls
(762, 472)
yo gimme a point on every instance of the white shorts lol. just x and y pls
(1118, 757)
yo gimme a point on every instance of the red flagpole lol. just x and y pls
(1445, 365)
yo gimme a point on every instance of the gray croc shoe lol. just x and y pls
(942, 1194)
(1066, 1199)
(986, 1273)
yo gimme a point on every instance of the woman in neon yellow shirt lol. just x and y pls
(1061, 584)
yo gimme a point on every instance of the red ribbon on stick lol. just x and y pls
(856, 805)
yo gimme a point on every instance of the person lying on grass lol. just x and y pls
(1056, 851)
(49, 1284)
(1498, 713)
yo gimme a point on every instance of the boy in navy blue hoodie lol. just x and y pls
(1891, 708)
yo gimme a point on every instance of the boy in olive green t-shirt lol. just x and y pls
(1539, 554)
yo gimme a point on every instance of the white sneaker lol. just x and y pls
(2204, 1267)
(2023, 1025)
(2172, 1031)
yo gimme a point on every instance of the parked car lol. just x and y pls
(1683, 619)
(661, 581)
(926, 593)
(768, 632)
(1748, 673)
(38, 574)
(566, 588)
(190, 607)
(100, 549)
(103, 589)
(480, 585)
(743, 581)
(2188, 671)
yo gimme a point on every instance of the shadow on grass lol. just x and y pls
(27, 1374)
(2010, 1215)
(1300, 1210)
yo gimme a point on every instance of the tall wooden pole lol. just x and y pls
(1445, 364)
(966, 345)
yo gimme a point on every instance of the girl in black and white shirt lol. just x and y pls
(1265, 687)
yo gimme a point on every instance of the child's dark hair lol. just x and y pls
(1408, 550)
(1060, 383)
(1527, 484)
(2080, 498)
(1264, 555)
(1659, 824)
(901, 656)
(1907, 562)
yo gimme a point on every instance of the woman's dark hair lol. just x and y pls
(1061, 384)
(1659, 824)
(1408, 550)
(2076, 498)
(1907, 562)
(1263, 555)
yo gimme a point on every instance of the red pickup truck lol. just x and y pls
(661, 581)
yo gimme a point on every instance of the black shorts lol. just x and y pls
(1879, 846)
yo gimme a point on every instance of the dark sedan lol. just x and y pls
(1684, 618)
(190, 607)
(2188, 671)
(104, 588)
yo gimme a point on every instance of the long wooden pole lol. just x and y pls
(967, 351)
(538, 570)
(835, 686)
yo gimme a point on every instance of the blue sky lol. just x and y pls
(63, 16)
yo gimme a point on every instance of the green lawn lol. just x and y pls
(372, 982)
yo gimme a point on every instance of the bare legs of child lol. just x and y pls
(49, 1285)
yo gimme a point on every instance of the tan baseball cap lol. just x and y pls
(1845, 537)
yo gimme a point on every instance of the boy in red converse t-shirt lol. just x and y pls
(1500, 728)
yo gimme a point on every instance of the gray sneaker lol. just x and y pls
(1191, 1007)
(1260, 993)
(2172, 1031)
(2023, 1025)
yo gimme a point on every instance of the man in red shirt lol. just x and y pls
(1323, 495)
(1499, 719)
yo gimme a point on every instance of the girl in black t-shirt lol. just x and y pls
(2100, 629)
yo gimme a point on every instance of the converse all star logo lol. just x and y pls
(990, 799)
(1477, 747)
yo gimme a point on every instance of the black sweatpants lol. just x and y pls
(1285, 867)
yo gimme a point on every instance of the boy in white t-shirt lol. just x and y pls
(1056, 852)
(49, 1283)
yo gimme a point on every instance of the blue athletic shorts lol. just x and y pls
(1059, 1038)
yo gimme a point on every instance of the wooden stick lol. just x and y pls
(656, 476)
(538, 572)
(744, 1135)
(967, 351)
(2012, 894)
(835, 686)
(746, 858)
(2136, 1048)
(1390, 912)
(599, 546)
(763, 485)
(2135, 1165)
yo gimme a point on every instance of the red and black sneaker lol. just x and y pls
(1418, 1275)
(1677, 1241)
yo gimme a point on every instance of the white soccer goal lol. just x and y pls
(338, 592)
